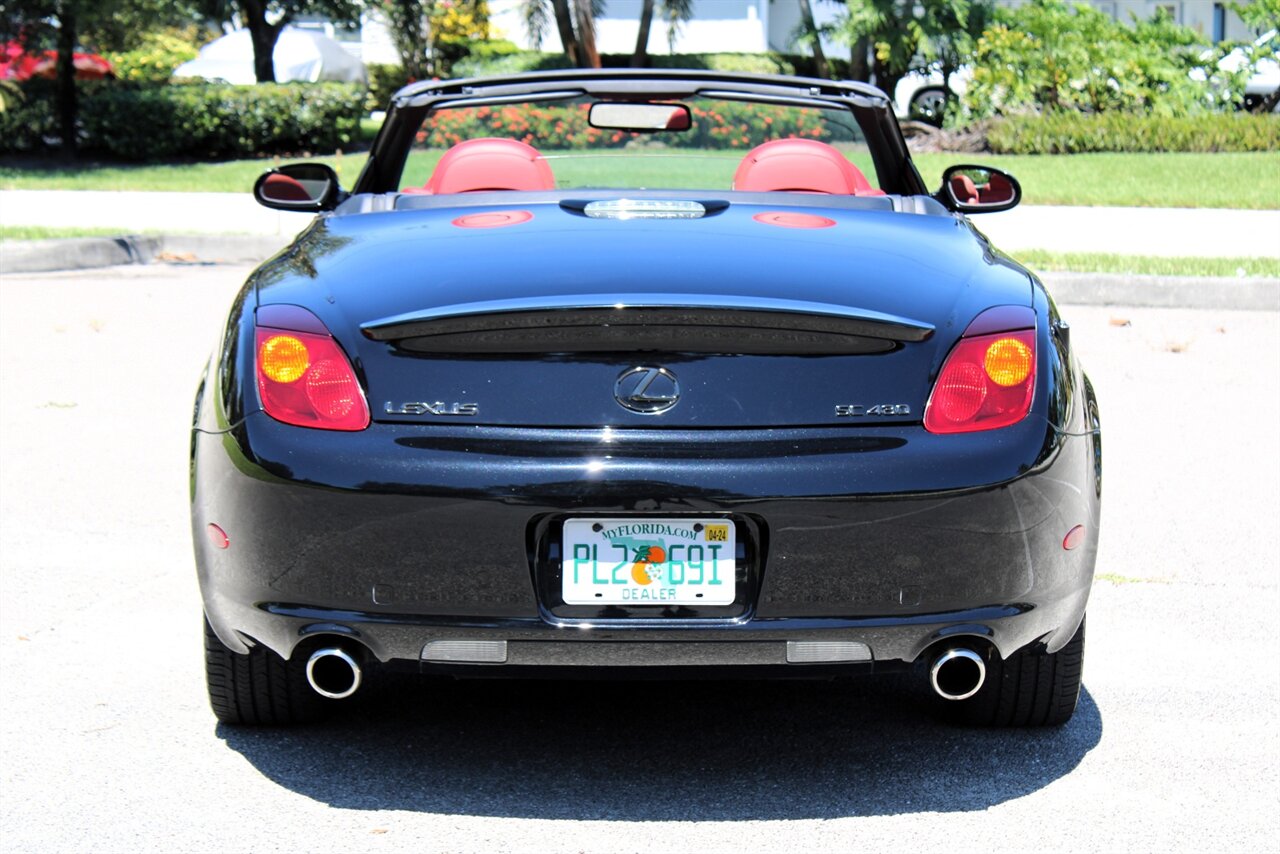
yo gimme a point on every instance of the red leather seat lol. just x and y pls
(282, 188)
(800, 166)
(997, 190)
(963, 188)
(477, 165)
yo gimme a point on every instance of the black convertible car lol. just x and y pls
(644, 372)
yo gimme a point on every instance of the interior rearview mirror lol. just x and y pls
(638, 117)
(300, 187)
(978, 189)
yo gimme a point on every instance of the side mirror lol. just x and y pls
(978, 189)
(298, 187)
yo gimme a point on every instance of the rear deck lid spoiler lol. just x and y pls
(650, 322)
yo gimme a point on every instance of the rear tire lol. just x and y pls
(258, 689)
(1030, 688)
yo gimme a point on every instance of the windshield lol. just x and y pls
(704, 156)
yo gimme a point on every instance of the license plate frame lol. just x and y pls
(689, 562)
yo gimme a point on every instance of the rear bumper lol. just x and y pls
(404, 536)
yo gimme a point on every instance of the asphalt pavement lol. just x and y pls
(108, 743)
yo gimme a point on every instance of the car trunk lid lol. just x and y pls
(724, 321)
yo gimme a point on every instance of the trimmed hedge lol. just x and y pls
(1074, 133)
(29, 123)
(750, 63)
(384, 81)
(205, 121)
(479, 65)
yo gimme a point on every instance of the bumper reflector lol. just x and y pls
(217, 536)
(466, 651)
(812, 652)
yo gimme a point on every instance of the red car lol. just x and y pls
(16, 63)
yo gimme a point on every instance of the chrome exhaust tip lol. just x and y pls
(957, 674)
(333, 673)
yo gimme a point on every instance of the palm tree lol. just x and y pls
(575, 22)
(584, 18)
(809, 30)
(674, 12)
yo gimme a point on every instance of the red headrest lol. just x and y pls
(800, 165)
(284, 189)
(963, 188)
(490, 164)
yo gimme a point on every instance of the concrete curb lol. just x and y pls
(1164, 291)
(38, 256)
(80, 253)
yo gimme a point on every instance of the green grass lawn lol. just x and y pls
(232, 176)
(1222, 180)
(46, 232)
(1148, 265)
(1144, 180)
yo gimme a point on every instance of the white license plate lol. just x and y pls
(648, 562)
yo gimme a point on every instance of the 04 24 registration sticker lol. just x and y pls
(648, 562)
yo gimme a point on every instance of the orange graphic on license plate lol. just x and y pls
(642, 571)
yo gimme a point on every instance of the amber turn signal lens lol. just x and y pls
(1008, 362)
(283, 358)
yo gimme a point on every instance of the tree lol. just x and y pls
(407, 21)
(893, 32)
(264, 19)
(575, 21)
(809, 33)
(675, 13)
(568, 35)
(951, 32)
(640, 57)
(911, 35)
(103, 23)
(1049, 55)
(584, 20)
(453, 26)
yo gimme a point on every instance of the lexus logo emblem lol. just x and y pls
(647, 390)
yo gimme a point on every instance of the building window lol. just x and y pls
(1219, 22)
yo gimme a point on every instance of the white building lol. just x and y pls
(370, 40)
(750, 26)
(737, 26)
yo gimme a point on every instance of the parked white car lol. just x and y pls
(1266, 77)
(300, 55)
(922, 95)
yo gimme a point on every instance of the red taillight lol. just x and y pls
(986, 382)
(305, 379)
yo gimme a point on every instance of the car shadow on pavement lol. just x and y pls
(647, 751)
